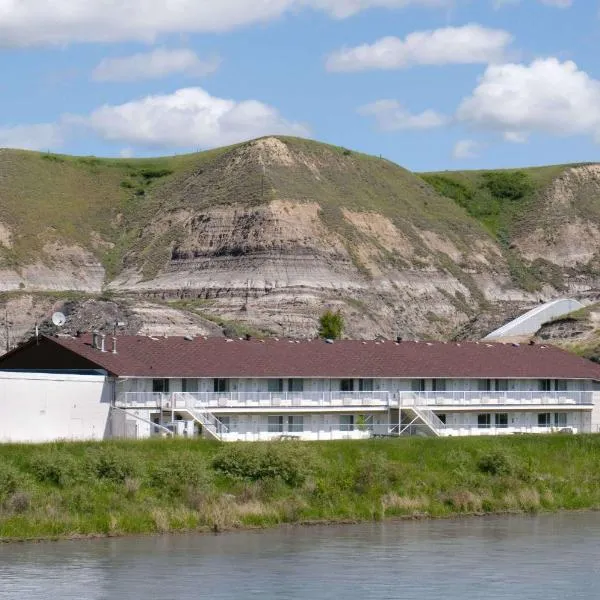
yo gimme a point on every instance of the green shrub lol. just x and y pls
(261, 461)
(507, 185)
(112, 464)
(9, 480)
(178, 472)
(331, 325)
(496, 462)
(56, 468)
(149, 174)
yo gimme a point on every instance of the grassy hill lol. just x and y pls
(430, 251)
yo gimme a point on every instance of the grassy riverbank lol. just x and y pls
(78, 489)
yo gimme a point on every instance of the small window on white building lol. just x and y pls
(560, 385)
(502, 385)
(346, 422)
(484, 421)
(544, 420)
(189, 386)
(501, 420)
(545, 385)
(438, 385)
(295, 385)
(275, 385)
(160, 385)
(442, 417)
(484, 385)
(221, 385)
(346, 385)
(365, 385)
(560, 419)
(275, 423)
(417, 385)
(295, 423)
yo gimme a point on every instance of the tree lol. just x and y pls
(331, 325)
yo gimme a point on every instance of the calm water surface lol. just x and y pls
(529, 558)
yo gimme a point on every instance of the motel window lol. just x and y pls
(160, 385)
(295, 423)
(295, 385)
(560, 385)
(501, 385)
(220, 385)
(484, 420)
(501, 420)
(347, 385)
(438, 385)
(365, 385)
(417, 385)
(442, 417)
(560, 419)
(189, 385)
(544, 385)
(346, 422)
(275, 424)
(484, 385)
(544, 420)
(275, 385)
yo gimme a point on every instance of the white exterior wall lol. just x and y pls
(42, 407)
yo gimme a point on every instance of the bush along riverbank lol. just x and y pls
(115, 488)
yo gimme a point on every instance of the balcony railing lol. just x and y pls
(376, 399)
(216, 400)
(535, 398)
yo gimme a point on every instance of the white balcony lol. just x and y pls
(491, 399)
(255, 400)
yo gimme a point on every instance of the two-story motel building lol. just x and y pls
(255, 389)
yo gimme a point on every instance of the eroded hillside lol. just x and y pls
(268, 233)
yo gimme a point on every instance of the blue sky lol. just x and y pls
(429, 84)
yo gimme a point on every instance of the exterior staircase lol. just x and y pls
(421, 419)
(184, 402)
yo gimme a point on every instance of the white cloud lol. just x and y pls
(190, 117)
(546, 96)
(158, 63)
(392, 116)
(43, 136)
(450, 45)
(32, 22)
(464, 149)
(126, 153)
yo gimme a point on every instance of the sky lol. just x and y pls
(429, 84)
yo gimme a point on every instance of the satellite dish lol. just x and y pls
(58, 319)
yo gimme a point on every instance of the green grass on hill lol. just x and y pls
(114, 488)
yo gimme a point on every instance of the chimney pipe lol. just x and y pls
(94, 339)
(114, 345)
(399, 338)
(102, 339)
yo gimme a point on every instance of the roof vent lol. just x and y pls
(398, 339)
(114, 345)
(248, 337)
(515, 345)
(189, 338)
(102, 342)
(531, 342)
(329, 341)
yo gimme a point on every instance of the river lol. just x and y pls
(543, 557)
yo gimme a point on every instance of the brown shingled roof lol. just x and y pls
(141, 356)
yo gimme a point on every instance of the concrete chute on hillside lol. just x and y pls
(529, 323)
